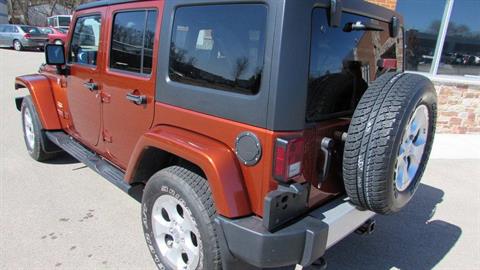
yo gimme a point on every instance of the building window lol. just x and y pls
(210, 48)
(442, 36)
(461, 49)
(421, 31)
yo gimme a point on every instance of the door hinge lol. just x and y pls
(105, 97)
(106, 136)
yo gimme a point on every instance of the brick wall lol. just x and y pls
(458, 108)
(391, 4)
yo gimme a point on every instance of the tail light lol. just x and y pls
(288, 158)
(27, 36)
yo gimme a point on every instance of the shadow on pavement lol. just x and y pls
(62, 159)
(406, 240)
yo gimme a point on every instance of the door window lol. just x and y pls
(133, 35)
(210, 48)
(85, 40)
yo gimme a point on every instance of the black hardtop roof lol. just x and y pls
(102, 3)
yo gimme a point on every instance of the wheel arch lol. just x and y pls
(42, 96)
(164, 146)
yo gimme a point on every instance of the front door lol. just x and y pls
(83, 83)
(129, 81)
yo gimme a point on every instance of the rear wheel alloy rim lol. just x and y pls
(28, 127)
(412, 148)
(17, 45)
(176, 233)
(58, 42)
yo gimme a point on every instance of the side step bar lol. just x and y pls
(92, 160)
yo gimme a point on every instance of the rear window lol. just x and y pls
(344, 60)
(31, 30)
(133, 36)
(219, 46)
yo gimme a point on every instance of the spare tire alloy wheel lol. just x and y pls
(412, 148)
(389, 141)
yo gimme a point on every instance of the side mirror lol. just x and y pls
(55, 55)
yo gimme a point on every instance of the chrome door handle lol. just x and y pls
(137, 99)
(91, 86)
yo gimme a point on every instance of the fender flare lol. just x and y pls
(216, 160)
(42, 96)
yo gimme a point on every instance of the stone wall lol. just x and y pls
(458, 108)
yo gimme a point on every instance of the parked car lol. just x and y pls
(55, 35)
(261, 132)
(22, 36)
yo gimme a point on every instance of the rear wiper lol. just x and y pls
(360, 26)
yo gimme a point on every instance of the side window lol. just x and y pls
(210, 48)
(133, 35)
(85, 40)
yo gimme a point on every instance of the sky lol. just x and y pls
(419, 14)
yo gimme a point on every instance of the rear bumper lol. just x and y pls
(34, 43)
(303, 242)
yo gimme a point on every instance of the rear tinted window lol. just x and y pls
(219, 46)
(344, 60)
(31, 30)
(133, 35)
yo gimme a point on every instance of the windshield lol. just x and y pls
(63, 31)
(64, 21)
(31, 30)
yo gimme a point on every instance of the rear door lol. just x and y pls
(129, 84)
(85, 59)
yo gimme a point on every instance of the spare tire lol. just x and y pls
(389, 141)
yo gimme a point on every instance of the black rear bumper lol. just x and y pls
(246, 240)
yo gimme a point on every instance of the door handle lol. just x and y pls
(137, 99)
(91, 86)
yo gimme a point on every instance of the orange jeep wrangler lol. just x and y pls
(261, 132)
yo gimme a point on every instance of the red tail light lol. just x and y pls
(288, 158)
(27, 36)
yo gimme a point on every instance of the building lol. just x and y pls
(443, 43)
(3, 11)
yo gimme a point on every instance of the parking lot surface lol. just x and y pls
(61, 215)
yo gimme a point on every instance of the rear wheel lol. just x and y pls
(17, 45)
(178, 220)
(389, 142)
(58, 42)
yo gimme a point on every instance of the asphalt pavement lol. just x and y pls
(61, 215)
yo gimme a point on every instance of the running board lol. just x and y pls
(89, 158)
